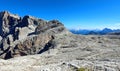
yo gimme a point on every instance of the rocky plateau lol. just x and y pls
(32, 44)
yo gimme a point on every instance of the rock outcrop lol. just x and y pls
(8, 22)
(26, 36)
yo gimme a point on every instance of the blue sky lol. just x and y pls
(74, 14)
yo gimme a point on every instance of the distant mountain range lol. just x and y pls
(95, 32)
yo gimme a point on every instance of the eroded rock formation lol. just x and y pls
(26, 36)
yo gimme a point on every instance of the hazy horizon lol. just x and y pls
(74, 14)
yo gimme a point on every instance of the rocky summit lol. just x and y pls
(26, 36)
(32, 44)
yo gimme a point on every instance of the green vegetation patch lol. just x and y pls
(82, 69)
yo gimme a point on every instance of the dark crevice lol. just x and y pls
(5, 51)
(8, 55)
(48, 46)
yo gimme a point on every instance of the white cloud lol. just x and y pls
(89, 27)
(115, 26)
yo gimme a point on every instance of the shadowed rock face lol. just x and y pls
(7, 23)
(27, 35)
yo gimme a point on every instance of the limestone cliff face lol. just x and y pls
(8, 22)
(27, 35)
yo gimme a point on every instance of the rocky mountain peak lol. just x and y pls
(8, 22)
(5, 14)
(27, 35)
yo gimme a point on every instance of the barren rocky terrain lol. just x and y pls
(38, 45)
